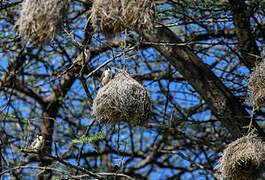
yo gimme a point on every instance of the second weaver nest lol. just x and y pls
(114, 16)
(122, 99)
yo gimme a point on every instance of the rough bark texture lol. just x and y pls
(247, 44)
(221, 101)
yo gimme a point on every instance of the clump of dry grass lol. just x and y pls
(256, 85)
(243, 159)
(122, 99)
(41, 20)
(114, 16)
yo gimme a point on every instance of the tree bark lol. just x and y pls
(224, 105)
(247, 44)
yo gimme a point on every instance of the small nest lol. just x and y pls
(256, 85)
(122, 99)
(41, 20)
(243, 159)
(114, 16)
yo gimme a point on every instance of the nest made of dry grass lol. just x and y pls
(243, 159)
(256, 85)
(122, 99)
(114, 16)
(41, 20)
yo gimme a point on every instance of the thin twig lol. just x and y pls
(108, 61)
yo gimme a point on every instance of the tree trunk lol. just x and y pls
(50, 110)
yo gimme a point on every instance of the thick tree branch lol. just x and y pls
(224, 33)
(221, 101)
(247, 44)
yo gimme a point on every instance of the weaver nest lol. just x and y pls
(122, 99)
(243, 159)
(41, 20)
(256, 85)
(114, 16)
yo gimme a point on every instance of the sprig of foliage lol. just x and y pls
(83, 139)
(70, 35)
(123, 45)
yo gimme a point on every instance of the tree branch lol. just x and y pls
(247, 44)
(224, 105)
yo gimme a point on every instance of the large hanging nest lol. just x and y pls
(243, 159)
(41, 20)
(114, 16)
(122, 99)
(256, 85)
(138, 14)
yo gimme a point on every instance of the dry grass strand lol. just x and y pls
(41, 20)
(122, 99)
(243, 159)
